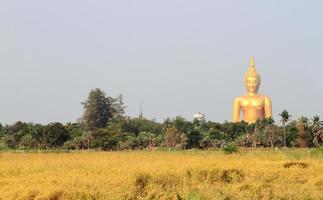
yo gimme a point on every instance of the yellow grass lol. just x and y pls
(250, 174)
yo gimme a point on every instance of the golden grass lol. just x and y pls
(250, 174)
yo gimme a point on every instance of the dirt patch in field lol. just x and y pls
(296, 164)
(215, 175)
(141, 182)
(56, 195)
(232, 175)
(168, 181)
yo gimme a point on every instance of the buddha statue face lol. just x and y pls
(252, 84)
(252, 78)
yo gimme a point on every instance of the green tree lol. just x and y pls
(14, 133)
(285, 116)
(27, 142)
(37, 133)
(79, 142)
(264, 132)
(316, 126)
(146, 139)
(117, 106)
(271, 131)
(305, 136)
(194, 138)
(174, 137)
(103, 139)
(291, 133)
(55, 135)
(127, 141)
(134, 125)
(180, 123)
(98, 110)
(213, 138)
(75, 129)
(316, 121)
(1, 131)
(235, 130)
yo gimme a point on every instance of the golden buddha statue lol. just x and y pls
(252, 105)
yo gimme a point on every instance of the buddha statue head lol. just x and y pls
(252, 78)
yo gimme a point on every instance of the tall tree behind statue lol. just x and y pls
(100, 108)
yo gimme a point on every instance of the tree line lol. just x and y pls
(105, 126)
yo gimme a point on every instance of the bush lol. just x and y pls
(3, 147)
(127, 141)
(55, 135)
(69, 145)
(230, 148)
(317, 152)
(195, 195)
(103, 139)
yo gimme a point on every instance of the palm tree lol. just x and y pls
(304, 134)
(303, 122)
(285, 116)
(316, 121)
(316, 125)
(270, 130)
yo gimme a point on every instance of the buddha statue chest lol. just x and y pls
(256, 103)
(252, 108)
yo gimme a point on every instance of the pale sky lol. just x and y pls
(173, 57)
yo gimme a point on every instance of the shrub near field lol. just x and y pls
(192, 174)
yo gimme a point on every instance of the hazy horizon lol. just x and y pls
(172, 57)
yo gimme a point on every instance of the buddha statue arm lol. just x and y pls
(236, 110)
(268, 111)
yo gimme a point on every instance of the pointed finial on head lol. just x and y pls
(252, 72)
(252, 62)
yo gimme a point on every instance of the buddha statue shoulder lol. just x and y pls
(252, 105)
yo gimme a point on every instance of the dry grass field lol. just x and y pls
(249, 174)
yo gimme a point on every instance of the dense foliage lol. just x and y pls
(105, 126)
